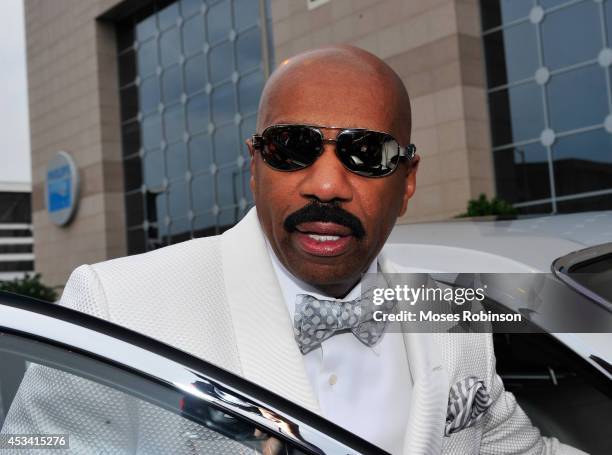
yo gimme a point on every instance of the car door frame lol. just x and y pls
(158, 363)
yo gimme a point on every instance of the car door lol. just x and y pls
(71, 381)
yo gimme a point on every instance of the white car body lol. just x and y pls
(528, 245)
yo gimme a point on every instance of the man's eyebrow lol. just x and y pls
(317, 125)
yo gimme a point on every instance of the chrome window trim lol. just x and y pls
(561, 266)
(178, 370)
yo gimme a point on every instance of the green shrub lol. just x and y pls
(482, 207)
(31, 286)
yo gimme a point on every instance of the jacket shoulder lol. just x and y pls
(180, 254)
(98, 288)
(175, 294)
(163, 276)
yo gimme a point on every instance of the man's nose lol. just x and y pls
(327, 179)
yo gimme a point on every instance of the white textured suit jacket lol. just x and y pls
(218, 298)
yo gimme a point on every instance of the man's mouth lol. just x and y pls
(323, 239)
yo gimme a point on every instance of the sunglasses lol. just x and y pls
(364, 152)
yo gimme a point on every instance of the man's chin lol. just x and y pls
(328, 273)
(325, 271)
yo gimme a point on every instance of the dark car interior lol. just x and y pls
(563, 395)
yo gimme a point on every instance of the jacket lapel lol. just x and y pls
(425, 429)
(267, 350)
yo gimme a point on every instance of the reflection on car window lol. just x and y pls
(595, 275)
(107, 410)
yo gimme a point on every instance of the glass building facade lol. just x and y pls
(550, 100)
(191, 75)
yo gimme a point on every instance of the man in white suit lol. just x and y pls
(332, 169)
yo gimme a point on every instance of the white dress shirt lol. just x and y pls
(363, 389)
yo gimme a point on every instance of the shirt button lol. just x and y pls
(333, 379)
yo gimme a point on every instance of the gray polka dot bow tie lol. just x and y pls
(317, 320)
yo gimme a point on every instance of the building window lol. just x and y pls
(190, 74)
(550, 102)
(15, 207)
(16, 243)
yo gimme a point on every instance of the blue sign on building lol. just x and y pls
(61, 187)
(58, 187)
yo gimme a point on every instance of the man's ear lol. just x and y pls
(410, 182)
(249, 143)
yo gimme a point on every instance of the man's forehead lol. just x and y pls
(342, 87)
(314, 105)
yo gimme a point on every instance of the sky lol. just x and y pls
(14, 128)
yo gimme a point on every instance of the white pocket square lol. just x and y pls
(468, 400)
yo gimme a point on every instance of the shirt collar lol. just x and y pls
(291, 286)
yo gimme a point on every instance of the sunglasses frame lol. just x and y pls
(407, 152)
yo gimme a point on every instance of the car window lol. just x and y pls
(48, 392)
(595, 275)
(589, 272)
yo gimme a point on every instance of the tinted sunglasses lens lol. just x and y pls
(368, 153)
(288, 148)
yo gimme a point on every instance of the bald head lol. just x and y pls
(337, 86)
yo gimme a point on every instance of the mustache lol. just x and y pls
(326, 213)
